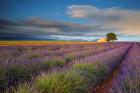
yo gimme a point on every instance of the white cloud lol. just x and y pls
(126, 21)
(87, 11)
(81, 38)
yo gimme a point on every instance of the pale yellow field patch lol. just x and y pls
(10, 43)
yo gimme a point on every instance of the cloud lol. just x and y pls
(75, 38)
(39, 26)
(92, 13)
(36, 28)
(123, 20)
(47, 29)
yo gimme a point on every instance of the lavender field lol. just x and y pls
(70, 68)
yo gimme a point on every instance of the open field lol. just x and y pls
(14, 43)
(69, 68)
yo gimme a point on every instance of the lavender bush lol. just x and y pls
(20, 63)
(128, 81)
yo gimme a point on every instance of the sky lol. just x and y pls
(82, 20)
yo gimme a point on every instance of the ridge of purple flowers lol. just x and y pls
(128, 80)
(19, 63)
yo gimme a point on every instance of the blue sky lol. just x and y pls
(91, 17)
(19, 9)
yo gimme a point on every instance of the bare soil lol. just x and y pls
(104, 86)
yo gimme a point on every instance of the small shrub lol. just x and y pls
(17, 73)
(13, 74)
(32, 56)
(66, 82)
(84, 67)
(88, 70)
(69, 58)
(101, 72)
(93, 73)
(24, 88)
(52, 63)
(2, 78)
(35, 68)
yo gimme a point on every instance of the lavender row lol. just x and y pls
(25, 52)
(33, 56)
(20, 70)
(128, 80)
(82, 74)
(107, 58)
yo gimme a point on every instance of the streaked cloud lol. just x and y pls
(47, 29)
(91, 12)
(123, 20)
(38, 26)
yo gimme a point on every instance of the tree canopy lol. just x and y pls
(111, 36)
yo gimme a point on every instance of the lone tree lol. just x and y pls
(111, 37)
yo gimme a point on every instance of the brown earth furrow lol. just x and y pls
(104, 85)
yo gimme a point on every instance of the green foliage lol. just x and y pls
(32, 56)
(88, 70)
(15, 73)
(91, 72)
(2, 77)
(111, 37)
(84, 67)
(69, 58)
(24, 88)
(52, 63)
(66, 82)
(101, 72)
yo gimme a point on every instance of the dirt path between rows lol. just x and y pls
(104, 85)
